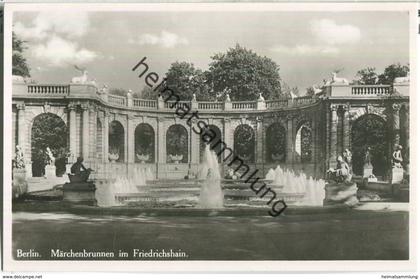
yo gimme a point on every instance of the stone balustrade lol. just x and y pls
(371, 90)
(91, 92)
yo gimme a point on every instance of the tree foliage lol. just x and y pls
(244, 142)
(393, 71)
(177, 142)
(48, 130)
(145, 141)
(369, 75)
(185, 80)
(244, 74)
(276, 142)
(370, 131)
(19, 64)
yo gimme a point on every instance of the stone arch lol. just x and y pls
(116, 141)
(244, 142)
(144, 138)
(303, 142)
(177, 144)
(275, 142)
(370, 130)
(48, 130)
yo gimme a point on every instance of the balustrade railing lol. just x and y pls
(118, 100)
(48, 89)
(244, 105)
(371, 90)
(140, 103)
(210, 106)
(175, 105)
(66, 90)
(276, 104)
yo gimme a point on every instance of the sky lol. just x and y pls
(307, 46)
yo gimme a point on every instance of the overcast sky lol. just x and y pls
(306, 45)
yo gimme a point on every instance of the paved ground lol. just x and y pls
(351, 235)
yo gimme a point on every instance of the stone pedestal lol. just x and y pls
(49, 171)
(19, 184)
(367, 171)
(341, 193)
(80, 193)
(28, 169)
(68, 168)
(397, 175)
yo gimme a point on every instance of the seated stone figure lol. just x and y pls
(79, 173)
(341, 173)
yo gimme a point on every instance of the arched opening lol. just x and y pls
(48, 130)
(116, 141)
(99, 140)
(177, 144)
(144, 143)
(275, 139)
(212, 136)
(244, 143)
(370, 130)
(303, 144)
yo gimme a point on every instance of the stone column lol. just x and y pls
(131, 148)
(346, 127)
(161, 142)
(85, 132)
(194, 145)
(227, 137)
(396, 123)
(407, 126)
(93, 115)
(313, 139)
(21, 139)
(333, 143)
(72, 132)
(106, 137)
(259, 158)
(289, 143)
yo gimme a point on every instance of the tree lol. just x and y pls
(48, 130)
(185, 80)
(244, 74)
(367, 76)
(393, 71)
(19, 64)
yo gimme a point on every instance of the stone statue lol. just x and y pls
(368, 158)
(228, 98)
(130, 93)
(79, 173)
(336, 79)
(348, 159)
(51, 159)
(261, 98)
(19, 161)
(397, 157)
(83, 79)
(341, 173)
(194, 98)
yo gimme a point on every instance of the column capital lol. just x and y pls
(84, 106)
(333, 107)
(71, 106)
(396, 107)
(345, 107)
(290, 116)
(20, 106)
